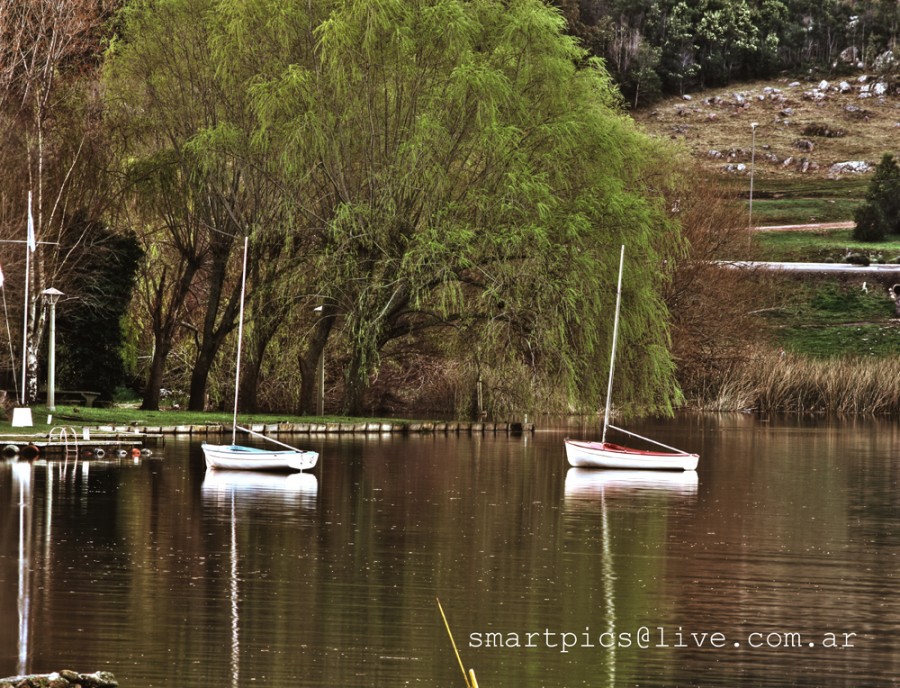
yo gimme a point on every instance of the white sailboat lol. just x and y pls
(235, 457)
(603, 454)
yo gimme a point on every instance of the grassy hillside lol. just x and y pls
(803, 132)
(804, 129)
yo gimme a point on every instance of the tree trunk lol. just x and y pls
(309, 361)
(154, 378)
(249, 396)
(165, 317)
(213, 335)
(355, 387)
(267, 325)
(200, 376)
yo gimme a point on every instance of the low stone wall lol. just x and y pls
(328, 428)
(61, 679)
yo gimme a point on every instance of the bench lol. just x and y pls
(69, 395)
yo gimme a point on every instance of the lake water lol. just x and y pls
(784, 543)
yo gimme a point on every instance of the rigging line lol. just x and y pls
(641, 437)
(612, 357)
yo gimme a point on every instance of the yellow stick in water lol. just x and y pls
(453, 642)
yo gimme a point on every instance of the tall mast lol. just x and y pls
(237, 368)
(612, 356)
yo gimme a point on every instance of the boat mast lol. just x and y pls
(612, 355)
(237, 368)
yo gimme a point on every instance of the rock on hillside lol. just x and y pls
(823, 127)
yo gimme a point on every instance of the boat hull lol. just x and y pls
(608, 455)
(232, 457)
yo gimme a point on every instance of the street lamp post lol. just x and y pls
(51, 296)
(753, 126)
(320, 376)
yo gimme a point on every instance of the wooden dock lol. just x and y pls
(89, 444)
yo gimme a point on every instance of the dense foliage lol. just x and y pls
(90, 333)
(442, 167)
(433, 187)
(654, 46)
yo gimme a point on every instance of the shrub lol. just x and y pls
(871, 223)
(879, 215)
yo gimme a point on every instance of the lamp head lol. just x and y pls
(51, 295)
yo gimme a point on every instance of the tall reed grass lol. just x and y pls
(774, 382)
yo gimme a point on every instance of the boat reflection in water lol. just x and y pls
(593, 491)
(224, 490)
(587, 483)
(299, 489)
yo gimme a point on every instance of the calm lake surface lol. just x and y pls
(787, 538)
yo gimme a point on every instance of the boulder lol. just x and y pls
(850, 166)
(884, 61)
(849, 55)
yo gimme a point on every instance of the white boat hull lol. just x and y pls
(233, 457)
(608, 455)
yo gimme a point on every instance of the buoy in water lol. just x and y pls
(146, 452)
(99, 453)
(135, 451)
(121, 453)
(30, 452)
(10, 450)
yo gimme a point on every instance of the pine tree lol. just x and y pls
(879, 215)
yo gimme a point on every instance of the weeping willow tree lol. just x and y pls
(193, 184)
(453, 171)
(463, 167)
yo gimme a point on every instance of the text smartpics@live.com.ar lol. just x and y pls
(657, 637)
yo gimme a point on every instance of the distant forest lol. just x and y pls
(660, 47)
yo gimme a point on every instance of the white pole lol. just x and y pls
(320, 383)
(612, 356)
(51, 362)
(753, 126)
(28, 250)
(237, 371)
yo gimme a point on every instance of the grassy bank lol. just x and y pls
(78, 417)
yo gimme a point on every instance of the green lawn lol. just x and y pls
(828, 318)
(822, 246)
(842, 340)
(780, 201)
(794, 211)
